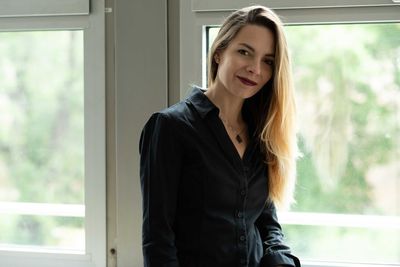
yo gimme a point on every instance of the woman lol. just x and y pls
(214, 166)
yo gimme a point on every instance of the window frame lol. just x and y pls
(196, 15)
(210, 5)
(24, 8)
(88, 16)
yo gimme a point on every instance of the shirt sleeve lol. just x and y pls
(276, 253)
(160, 164)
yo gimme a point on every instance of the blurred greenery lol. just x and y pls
(41, 134)
(348, 95)
(327, 243)
(348, 92)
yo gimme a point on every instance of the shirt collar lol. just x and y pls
(201, 102)
(204, 106)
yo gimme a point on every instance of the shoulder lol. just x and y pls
(180, 114)
(177, 111)
(173, 117)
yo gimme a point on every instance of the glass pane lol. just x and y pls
(348, 92)
(47, 233)
(211, 34)
(327, 243)
(41, 136)
(347, 80)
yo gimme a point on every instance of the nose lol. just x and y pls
(254, 67)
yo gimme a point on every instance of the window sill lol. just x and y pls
(19, 258)
(344, 264)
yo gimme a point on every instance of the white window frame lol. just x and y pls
(86, 15)
(195, 15)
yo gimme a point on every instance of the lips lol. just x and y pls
(247, 81)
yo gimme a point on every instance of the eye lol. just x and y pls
(269, 62)
(243, 52)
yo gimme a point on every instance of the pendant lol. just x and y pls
(239, 139)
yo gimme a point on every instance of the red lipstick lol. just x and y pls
(247, 81)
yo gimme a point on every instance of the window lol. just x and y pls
(52, 135)
(42, 138)
(346, 67)
(348, 93)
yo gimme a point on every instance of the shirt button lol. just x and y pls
(243, 192)
(242, 238)
(246, 169)
(239, 214)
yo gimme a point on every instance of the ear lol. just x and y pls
(217, 58)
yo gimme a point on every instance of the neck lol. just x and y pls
(229, 105)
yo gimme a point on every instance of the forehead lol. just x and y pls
(259, 37)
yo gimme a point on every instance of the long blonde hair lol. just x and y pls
(273, 108)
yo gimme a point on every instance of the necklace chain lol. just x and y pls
(237, 133)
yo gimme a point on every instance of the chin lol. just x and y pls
(247, 95)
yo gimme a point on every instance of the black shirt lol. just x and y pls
(203, 205)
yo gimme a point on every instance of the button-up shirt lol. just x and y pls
(204, 205)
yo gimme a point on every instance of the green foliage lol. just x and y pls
(348, 91)
(41, 135)
(347, 125)
(344, 244)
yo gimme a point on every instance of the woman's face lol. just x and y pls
(246, 65)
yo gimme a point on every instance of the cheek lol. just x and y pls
(224, 70)
(268, 75)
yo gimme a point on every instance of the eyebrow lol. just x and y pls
(253, 50)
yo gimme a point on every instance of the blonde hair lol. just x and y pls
(273, 108)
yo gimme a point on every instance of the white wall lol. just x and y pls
(140, 56)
